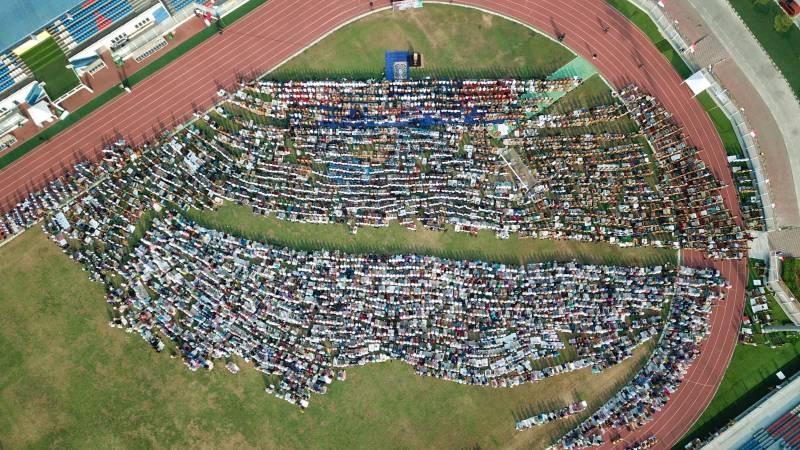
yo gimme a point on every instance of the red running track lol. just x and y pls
(274, 32)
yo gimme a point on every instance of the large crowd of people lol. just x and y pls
(470, 155)
(299, 314)
(473, 155)
(697, 208)
(36, 204)
(686, 326)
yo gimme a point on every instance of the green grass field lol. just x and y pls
(783, 48)
(48, 64)
(724, 127)
(778, 316)
(397, 239)
(592, 92)
(454, 41)
(790, 274)
(70, 381)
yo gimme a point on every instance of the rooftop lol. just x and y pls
(18, 19)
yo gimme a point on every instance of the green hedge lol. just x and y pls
(724, 126)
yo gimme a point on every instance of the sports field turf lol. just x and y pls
(398, 239)
(48, 64)
(70, 381)
(592, 92)
(453, 41)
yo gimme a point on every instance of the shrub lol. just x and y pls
(783, 23)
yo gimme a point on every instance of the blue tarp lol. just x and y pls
(35, 94)
(20, 18)
(393, 57)
(83, 62)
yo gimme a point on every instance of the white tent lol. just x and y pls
(698, 82)
(40, 113)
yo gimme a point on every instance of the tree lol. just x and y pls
(783, 23)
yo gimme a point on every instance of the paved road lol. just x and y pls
(751, 58)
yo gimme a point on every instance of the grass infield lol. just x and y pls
(395, 238)
(70, 381)
(453, 41)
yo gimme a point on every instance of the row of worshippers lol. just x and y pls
(643, 444)
(179, 171)
(406, 103)
(32, 207)
(300, 315)
(749, 197)
(678, 346)
(598, 187)
(549, 416)
(588, 187)
(705, 222)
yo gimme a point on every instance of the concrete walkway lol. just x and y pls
(786, 242)
(748, 54)
(759, 245)
(780, 328)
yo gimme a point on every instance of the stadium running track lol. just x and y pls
(280, 28)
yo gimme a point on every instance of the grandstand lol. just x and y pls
(73, 25)
(89, 18)
(773, 423)
(12, 70)
(177, 5)
(784, 433)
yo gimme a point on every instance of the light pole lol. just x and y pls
(123, 77)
